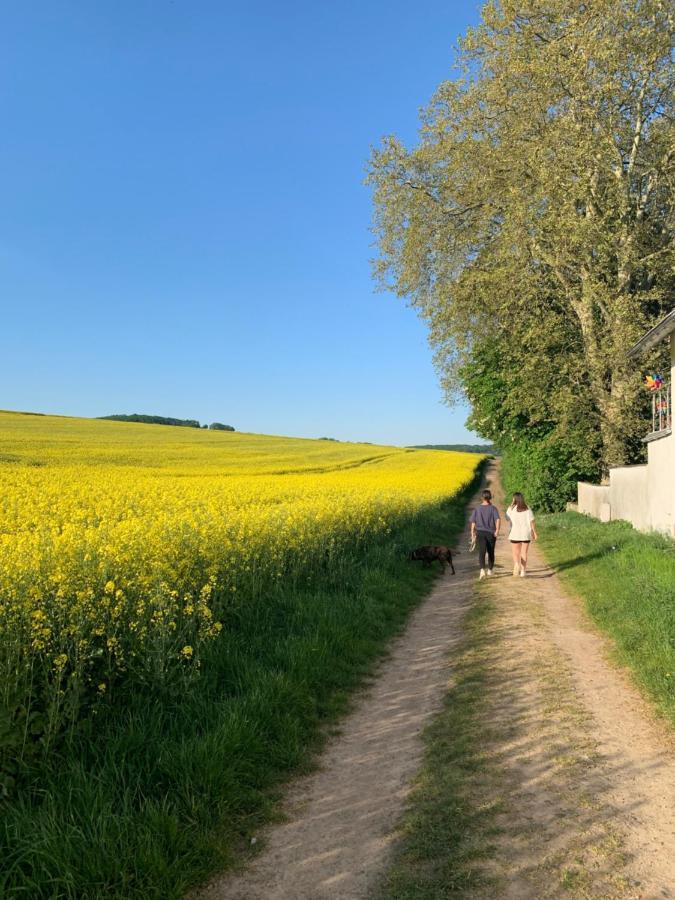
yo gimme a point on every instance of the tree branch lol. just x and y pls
(452, 213)
(637, 131)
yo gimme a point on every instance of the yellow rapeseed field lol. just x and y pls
(121, 543)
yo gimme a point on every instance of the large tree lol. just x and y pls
(539, 198)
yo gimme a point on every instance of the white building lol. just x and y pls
(644, 495)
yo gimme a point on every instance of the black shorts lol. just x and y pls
(521, 542)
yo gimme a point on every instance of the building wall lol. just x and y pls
(642, 495)
(661, 484)
(661, 456)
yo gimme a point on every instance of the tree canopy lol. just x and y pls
(531, 226)
(153, 420)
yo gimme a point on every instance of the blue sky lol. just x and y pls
(183, 223)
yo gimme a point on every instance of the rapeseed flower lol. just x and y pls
(123, 545)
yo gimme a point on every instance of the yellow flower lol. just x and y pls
(186, 526)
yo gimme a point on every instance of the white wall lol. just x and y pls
(661, 484)
(594, 500)
(642, 495)
(629, 495)
(661, 456)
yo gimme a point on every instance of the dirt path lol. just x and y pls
(583, 775)
(587, 775)
(341, 819)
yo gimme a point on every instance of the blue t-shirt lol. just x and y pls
(485, 517)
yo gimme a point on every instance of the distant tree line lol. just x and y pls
(488, 449)
(167, 420)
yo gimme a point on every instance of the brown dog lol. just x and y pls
(428, 554)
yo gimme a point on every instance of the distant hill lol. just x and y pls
(459, 448)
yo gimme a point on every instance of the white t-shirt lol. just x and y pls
(521, 524)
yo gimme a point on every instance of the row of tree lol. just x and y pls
(458, 448)
(167, 420)
(532, 228)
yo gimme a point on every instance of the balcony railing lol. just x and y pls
(662, 411)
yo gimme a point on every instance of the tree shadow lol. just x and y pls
(581, 560)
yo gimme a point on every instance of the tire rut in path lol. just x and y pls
(340, 820)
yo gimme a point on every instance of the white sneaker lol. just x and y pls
(482, 575)
(516, 569)
(522, 573)
(489, 571)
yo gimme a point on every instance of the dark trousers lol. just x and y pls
(486, 544)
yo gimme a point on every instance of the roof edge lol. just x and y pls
(655, 335)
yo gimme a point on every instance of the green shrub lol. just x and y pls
(546, 471)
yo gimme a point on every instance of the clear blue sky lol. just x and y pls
(183, 221)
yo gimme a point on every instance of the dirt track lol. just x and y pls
(586, 775)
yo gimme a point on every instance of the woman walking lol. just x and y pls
(522, 532)
(485, 523)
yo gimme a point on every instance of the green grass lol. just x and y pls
(446, 832)
(162, 790)
(627, 580)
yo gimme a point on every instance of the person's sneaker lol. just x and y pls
(522, 573)
(516, 569)
(490, 572)
(482, 575)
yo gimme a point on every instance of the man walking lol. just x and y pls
(485, 525)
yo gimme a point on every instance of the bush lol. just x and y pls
(547, 471)
(218, 426)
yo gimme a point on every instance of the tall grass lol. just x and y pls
(628, 582)
(163, 787)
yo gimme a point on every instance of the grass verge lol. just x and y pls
(446, 832)
(160, 791)
(627, 580)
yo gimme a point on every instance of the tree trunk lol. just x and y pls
(609, 387)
